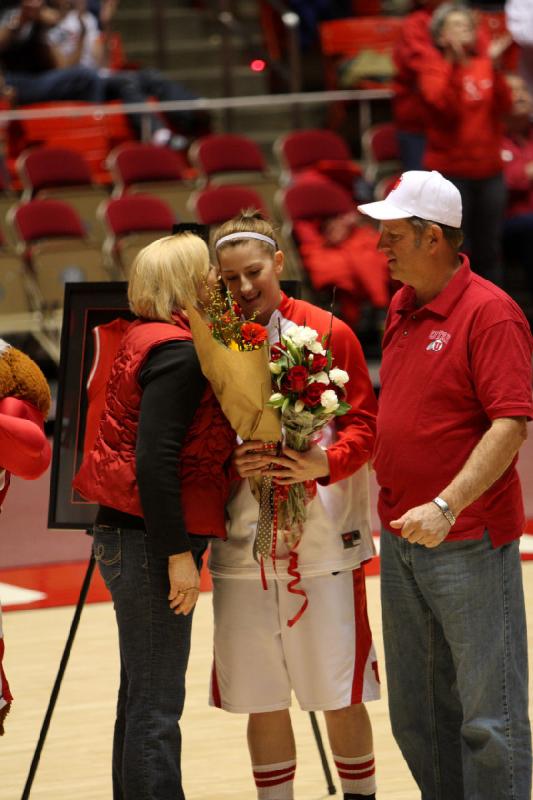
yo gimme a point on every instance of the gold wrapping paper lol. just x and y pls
(241, 381)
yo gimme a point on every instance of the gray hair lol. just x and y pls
(453, 236)
(440, 15)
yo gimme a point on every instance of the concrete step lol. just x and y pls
(190, 53)
(207, 81)
(138, 23)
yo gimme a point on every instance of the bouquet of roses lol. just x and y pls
(309, 391)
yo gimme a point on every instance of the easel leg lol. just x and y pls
(59, 678)
(322, 752)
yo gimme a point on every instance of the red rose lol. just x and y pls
(296, 379)
(311, 396)
(318, 364)
(237, 310)
(276, 351)
(253, 333)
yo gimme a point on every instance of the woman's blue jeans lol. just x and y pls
(455, 639)
(154, 651)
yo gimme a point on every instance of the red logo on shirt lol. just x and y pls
(438, 340)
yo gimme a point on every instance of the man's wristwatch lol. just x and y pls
(445, 508)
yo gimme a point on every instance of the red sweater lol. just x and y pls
(465, 128)
(516, 154)
(412, 53)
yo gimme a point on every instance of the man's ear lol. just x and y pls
(435, 236)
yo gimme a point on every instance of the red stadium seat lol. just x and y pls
(231, 158)
(149, 169)
(381, 154)
(341, 39)
(217, 204)
(323, 150)
(53, 243)
(63, 174)
(133, 221)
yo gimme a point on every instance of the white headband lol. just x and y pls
(245, 235)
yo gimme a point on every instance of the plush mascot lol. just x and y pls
(24, 449)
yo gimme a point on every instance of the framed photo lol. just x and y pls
(90, 310)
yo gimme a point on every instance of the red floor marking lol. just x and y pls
(61, 583)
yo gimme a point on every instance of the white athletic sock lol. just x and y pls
(357, 775)
(275, 781)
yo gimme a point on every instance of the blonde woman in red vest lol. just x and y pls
(157, 472)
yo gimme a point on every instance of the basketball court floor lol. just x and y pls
(41, 572)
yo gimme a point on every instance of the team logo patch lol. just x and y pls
(350, 539)
(438, 340)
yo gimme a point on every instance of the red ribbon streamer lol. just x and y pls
(293, 587)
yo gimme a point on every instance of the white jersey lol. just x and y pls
(337, 531)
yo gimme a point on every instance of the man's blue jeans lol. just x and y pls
(454, 629)
(154, 651)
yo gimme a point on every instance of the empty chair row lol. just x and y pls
(53, 248)
(214, 160)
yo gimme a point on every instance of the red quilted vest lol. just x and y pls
(107, 474)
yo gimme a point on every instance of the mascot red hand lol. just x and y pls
(24, 448)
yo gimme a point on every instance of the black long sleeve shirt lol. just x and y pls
(172, 386)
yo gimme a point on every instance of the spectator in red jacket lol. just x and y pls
(517, 153)
(467, 98)
(341, 251)
(410, 54)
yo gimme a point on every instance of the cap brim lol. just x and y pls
(383, 209)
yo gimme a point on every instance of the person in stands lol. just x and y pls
(78, 40)
(32, 67)
(467, 98)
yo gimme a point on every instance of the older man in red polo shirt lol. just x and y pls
(454, 402)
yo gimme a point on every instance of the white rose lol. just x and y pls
(319, 377)
(302, 336)
(291, 330)
(316, 348)
(338, 376)
(275, 367)
(299, 406)
(329, 400)
(274, 398)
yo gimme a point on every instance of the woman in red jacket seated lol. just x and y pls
(157, 471)
(466, 98)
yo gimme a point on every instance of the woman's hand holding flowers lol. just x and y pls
(293, 466)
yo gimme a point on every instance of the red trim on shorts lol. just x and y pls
(215, 691)
(363, 636)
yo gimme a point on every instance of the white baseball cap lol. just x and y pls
(419, 193)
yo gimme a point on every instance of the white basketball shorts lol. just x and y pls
(327, 657)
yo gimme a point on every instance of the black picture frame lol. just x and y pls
(85, 306)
